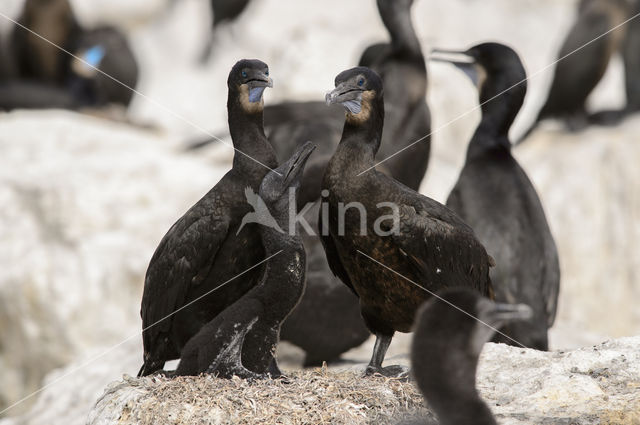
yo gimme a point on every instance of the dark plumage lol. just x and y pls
(577, 74)
(39, 64)
(79, 92)
(631, 58)
(32, 95)
(242, 339)
(222, 11)
(495, 197)
(445, 351)
(425, 242)
(36, 59)
(203, 249)
(401, 66)
(326, 323)
(118, 62)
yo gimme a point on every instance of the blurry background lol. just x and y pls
(84, 200)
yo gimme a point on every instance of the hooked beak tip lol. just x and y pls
(329, 98)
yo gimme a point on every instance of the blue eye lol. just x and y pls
(361, 82)
(244, 74)
(267, 73)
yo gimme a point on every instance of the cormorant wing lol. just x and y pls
(183, 258)
(439, 244)
(332, 256)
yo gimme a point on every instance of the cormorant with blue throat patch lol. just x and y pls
(326, 323)
(39, 63)
(445, 351)
(242, 339)
(422, 245)
(496, 198)
(81, 92)
(205, 250)
(401, 66)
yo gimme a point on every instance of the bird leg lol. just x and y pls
(375, 365)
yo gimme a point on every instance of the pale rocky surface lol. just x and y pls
(81, 199)
(85, 201)
(595, 385)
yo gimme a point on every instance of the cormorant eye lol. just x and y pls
(361, 82)
(244, 74)
(267, 73)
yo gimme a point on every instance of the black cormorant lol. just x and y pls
(118, 62)
(420, 244)
(81, 90)
(39, 62)
(445, 351)
(242, 339)
(222, 11)
(578, 72)
(205, 248)
(326, 323)
(401, 66)
(495, 197)
(35, 58)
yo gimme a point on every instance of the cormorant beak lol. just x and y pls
(502, 313)
(348, 94)
(293, 168)
(461, 60)
(258, 82)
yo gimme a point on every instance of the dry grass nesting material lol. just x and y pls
(310, 397)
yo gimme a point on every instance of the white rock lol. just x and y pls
(596, 385)
(84, 205)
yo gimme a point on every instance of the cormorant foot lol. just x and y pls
(283, 378)
(165, 373)
(394, 371)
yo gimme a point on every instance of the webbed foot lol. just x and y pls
(394, 371)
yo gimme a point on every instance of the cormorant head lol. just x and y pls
(496, 70)
(275, 185)
(443, 324)
(249, 78)
(489, 66)
(373, 53)
(359, 90)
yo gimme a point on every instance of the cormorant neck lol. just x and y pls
(450, 388)
(465, 411)
(498, 114)
(285, 271)
(396, 16)
(247, 132)
(285, 238)
(487, 138)
(361, 135)
(356, 151)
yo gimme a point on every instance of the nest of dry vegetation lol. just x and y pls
(310, 397)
